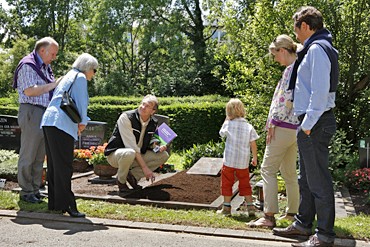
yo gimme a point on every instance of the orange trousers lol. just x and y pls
(228, 178)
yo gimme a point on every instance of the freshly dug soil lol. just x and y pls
(182, 187)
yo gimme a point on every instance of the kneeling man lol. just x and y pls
(129, 147)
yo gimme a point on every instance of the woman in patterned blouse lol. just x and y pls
(281, 146)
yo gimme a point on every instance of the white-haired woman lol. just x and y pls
(60, 133)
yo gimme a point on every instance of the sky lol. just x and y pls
(4, 4)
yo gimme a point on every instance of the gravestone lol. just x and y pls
(364, 151)
(93, 135)
(206, 166)
(10, 133)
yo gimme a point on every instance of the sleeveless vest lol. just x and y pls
(116, 142)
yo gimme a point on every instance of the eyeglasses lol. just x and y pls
(95, 71)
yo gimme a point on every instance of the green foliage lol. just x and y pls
(210, 149)
(7, 155)
(341, 156)
(8, 165)
(98, 157)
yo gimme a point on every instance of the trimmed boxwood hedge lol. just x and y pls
(196, 120)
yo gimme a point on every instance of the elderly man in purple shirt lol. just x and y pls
(34, 80)
(314, 80)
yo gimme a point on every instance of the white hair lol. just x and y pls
(85, 62)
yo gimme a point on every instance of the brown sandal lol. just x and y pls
(264, 222)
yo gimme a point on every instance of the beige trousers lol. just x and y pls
(281, 155)
(124, 160)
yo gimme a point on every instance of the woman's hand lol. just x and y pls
(81, 128)
(270, 135)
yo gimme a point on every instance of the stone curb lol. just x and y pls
(217, 232)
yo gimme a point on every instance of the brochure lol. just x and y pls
(164, 134)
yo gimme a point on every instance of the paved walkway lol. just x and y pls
(343, 208)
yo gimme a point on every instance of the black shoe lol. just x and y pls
(123, 188)
(39, 195)
(31, 198)
(74, 213)
(133, 182)
(290, 231)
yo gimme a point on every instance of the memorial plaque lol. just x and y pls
(93, 135)
(10, 133)
(206, 166)
(364, 150)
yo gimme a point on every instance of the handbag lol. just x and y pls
(68, 105)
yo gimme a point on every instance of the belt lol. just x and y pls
(301, 117)
(38, 106)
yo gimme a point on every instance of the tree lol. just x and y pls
(251, 73)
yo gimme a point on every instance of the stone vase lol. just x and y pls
(105, 171)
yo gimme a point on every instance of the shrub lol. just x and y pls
(9, 169)
(7, 155)
(210, 149)
(341, 156)
(359, 179)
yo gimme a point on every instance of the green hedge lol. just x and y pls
(196, 120)
(193, 122)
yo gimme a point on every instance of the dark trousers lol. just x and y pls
(59, 152)
(315, 181)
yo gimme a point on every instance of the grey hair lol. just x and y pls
(85, 62)
(151, 99)
(45, 42)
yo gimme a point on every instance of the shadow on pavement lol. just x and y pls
(58, 222)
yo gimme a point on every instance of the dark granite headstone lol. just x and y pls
(364, 150)
(10, 133)
(93, 135)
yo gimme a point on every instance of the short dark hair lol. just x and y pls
(311, 16)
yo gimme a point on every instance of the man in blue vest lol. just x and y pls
(314, 81)
(34, 80)
(129, 148)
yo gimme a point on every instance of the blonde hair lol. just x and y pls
(235, 108)
(283, 41)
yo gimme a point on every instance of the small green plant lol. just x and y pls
(98, 157)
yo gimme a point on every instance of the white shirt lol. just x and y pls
(239, 133)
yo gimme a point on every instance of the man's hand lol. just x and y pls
(307, 132)
(163, 148)
(149, 175)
